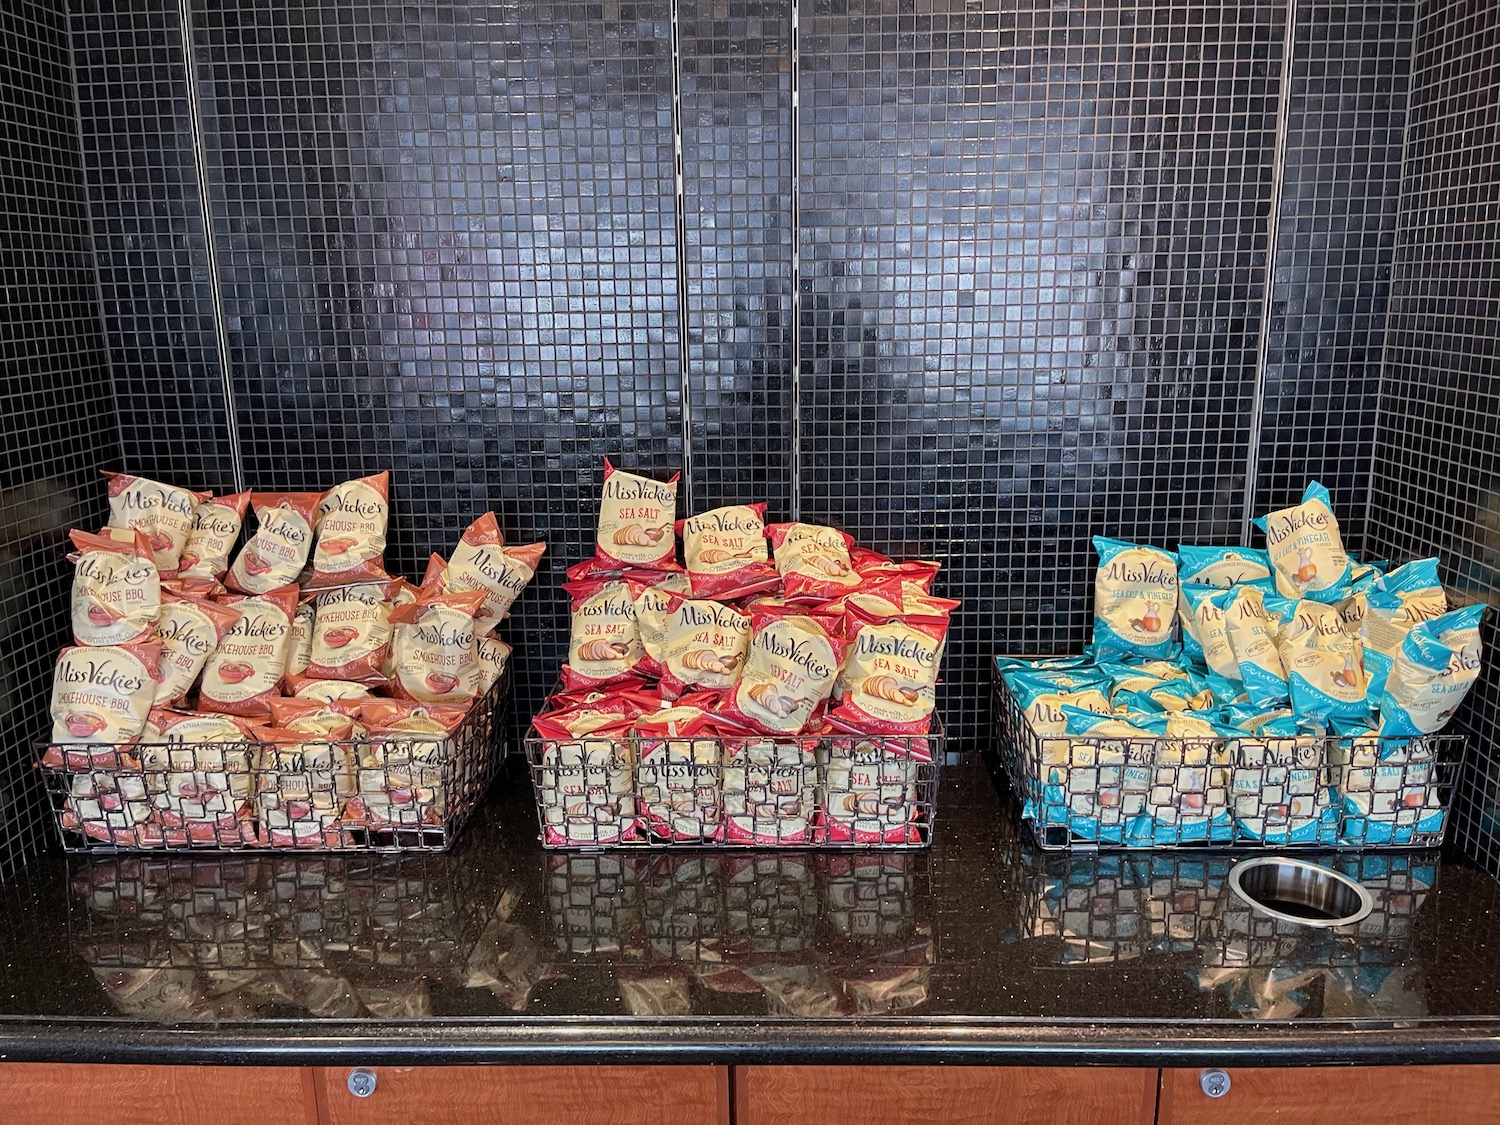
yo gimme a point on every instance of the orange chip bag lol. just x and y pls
(245, 673)
(191, 630)
(351, 523)
(300, 641)
(888, 684)
(789, 673)
(482, 562)
(103, 693)
(636, 516)
(279, 549)
(162, 511)
(216, 525)
(435, 659)
(330, 690)
(301, 785)
(605, 645)
(494, 655)
(332, 719)
(116, 590)
(726, 552)
(813, 561)
(706, 645)
(351, 634)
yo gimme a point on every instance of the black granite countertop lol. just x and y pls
(981, 950)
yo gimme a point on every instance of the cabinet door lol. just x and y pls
(1366, 1095)
(529, 1095)
(67, 1093)
(952, 1095)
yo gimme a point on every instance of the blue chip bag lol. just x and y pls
(1210, 634)
(1436, 666)
(1387, 788)
(1280, 787)
(1306, 549)
(1252, 628)
(1324, 669)
(1222, 567)
(1135, 600)
(1188, 799)
(1094, 783)
(1042, 695)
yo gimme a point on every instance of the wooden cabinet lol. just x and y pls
(1381, 1095)
(70, 1094)
(528, 1095)
(958, 1095)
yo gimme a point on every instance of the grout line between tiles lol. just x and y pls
(685, 504)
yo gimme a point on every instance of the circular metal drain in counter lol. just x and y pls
(1305, 894)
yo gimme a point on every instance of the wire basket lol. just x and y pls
(823, 791)
(1245, 793)
(390, 792)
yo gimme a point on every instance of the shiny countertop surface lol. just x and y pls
(981, 950)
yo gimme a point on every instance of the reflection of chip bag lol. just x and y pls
(679, 775)
(163, 512)
(246, 670)
(102, 694)
(789, 673)
(813, 561)
(216, 526)
(283, 538)
(605, 646)
(1135, 599)
(481, 561)
(706, 643)
(726, 553)
(351, 522)
(351, 634)
(435, 658)
(890, 676)
(636, 517)
(190, 630)
(116, 590)
(1307, 552)
(870, 791)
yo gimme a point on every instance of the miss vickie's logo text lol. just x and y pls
(800, 652)
(1306, 518)
(1143, 573)
(638, 488)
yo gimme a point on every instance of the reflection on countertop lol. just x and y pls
(980, 927)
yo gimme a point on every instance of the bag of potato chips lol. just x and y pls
(216, 525)
(726, 552)
(1135, 599)
(651, 592)
(813, 561)
(330, 690)
(890, 678)
(1306, 549)
(300, 640)
(435, 659)
(351, 522)
(605, 646)
(1324, 664)
(1210, 630)
(302, 783)
(103, 694)
(494, 654)
(352, 634)
(276, 554)
(793, 661)
(482, 562)
(116, 590)
(1437, 664)
(245, 672)
(190, 630)
(636, 517)
(1222, 567)
(706, 643)
(338, 719)
(163, 512)
(1252, 629)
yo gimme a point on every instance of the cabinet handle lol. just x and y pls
(1215, 1083)
(362, 1082)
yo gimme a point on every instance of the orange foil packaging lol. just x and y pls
(435, 656)
(245, 673)
(216, 525)
(282, 542)
(116, 590)
(351, 525)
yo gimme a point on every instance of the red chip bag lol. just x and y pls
(611, 713)
(726, 552)
(163, 512)
(770, 789)
(245, 673)
(889, 681)
(650, 592)
(877, 595)
(351, 522)
(435, 661)
(276, 554)
(116, 590)
(636, 517)
(793, 661)
(191, 630)
(813, 561)
(605, 645)
(870, 791)
(679, 774)
(351, 634)
(435, 577)
(706, 645)
(630, 689)
(216, 525)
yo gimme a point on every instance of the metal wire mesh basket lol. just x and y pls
(1246, 793)
(825, 791)
(389, 792)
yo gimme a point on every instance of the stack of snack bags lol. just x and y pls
(755, 695)
(1290, 706)
(277, 700)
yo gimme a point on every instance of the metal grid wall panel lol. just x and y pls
(1436, 481)
(58, 427)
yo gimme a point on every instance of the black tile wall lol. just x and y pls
(57, 426)
(1336, 236)
(1436, 483)
(1033, 244)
